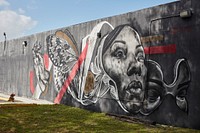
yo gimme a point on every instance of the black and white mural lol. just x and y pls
(113, 60)
(143, 64)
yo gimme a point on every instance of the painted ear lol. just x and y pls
(183, 80)
(154, 89)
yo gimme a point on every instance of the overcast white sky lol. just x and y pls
(25, 17)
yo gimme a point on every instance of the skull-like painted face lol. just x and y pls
(157, 89)
(123, 61)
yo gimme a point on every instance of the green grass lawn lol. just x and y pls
(61, 119)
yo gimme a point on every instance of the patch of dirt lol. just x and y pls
(132, 119)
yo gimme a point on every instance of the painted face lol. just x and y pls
(123, 61)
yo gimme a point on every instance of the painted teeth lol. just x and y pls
(135, 90)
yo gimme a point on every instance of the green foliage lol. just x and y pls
(61, 119)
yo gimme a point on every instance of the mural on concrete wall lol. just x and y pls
(110, 61)
(88, 79)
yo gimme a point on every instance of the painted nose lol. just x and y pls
(134, 68)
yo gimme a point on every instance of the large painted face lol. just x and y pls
(123, 61)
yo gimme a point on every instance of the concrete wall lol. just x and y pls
(142, 63)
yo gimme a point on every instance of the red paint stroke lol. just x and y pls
(71, 75)
(31, 76)
(46, 60)
(168, 49)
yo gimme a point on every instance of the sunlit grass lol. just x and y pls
(61, 118)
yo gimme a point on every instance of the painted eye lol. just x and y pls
(182, 92)
(155, 91)
(140, 57)
(181, 99)
(120, 53)
(153, 95)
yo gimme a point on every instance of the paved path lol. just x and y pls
(21, 100)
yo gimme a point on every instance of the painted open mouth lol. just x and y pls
(135, 87)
